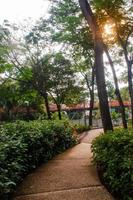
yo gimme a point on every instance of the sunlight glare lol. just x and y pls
(108, 29)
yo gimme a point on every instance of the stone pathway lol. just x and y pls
(69, 176)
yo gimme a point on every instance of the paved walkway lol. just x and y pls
(69, 176)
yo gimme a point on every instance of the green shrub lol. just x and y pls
(64, 116)
(81, 128)
(25, 145)
(113, 154)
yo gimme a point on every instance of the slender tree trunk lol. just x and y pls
(99, 68)
(91, 90)
(129, 71)
(91, 108)
(85, 115)
(45, 96)
(130, 83)
(130, 88)
(58, 106)
(117, 91)
(59, 111)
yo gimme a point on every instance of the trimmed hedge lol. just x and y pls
(25, 145)
(113, 154)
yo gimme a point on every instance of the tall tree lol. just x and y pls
(30, 61)
(117, 90)
(76, 34)
(73, 33)
(90, 85)
(100, 78)
(86, 69)
(118, 15)
(62, 80)
(129, 59)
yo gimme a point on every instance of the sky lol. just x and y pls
(17, 10)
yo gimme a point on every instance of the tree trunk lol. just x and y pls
(91, 89)
(102, 93)
(130, 83)
(85, 115)
(45, 96)
(91, 108)
(130, 86)
(129, 70)
(99, 68)
(117, 91)
(59, 111)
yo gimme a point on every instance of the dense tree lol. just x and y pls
(62, 80)
(30, 64)
(47, 73)
(13, 95)
(8, 97)
(73, 33)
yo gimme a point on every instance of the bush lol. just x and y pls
(64, 116)
(25, 145)
(81, 128)
(113, 154)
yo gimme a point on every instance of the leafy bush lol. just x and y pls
(64, 116)
(129, 122)
(113, 154)
(25, 145)
(81, 128)
(115, 116)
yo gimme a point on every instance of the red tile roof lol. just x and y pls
(71, 107)
(83, 106)
(116, 103)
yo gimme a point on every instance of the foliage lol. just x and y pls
(113, 153)
(62, 79)
(125, 93)
(8, 95)
(110, 90)
(115, 116)
(63, 114)
(25, 145)
(73, 33)
(96, 114)
(81, 128)
(15, 95)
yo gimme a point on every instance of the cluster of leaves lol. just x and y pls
(13, 96)
(113, 154)
(25, 145)
(81, 128)
(115, 116)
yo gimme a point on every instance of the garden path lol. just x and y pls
(69, 176)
